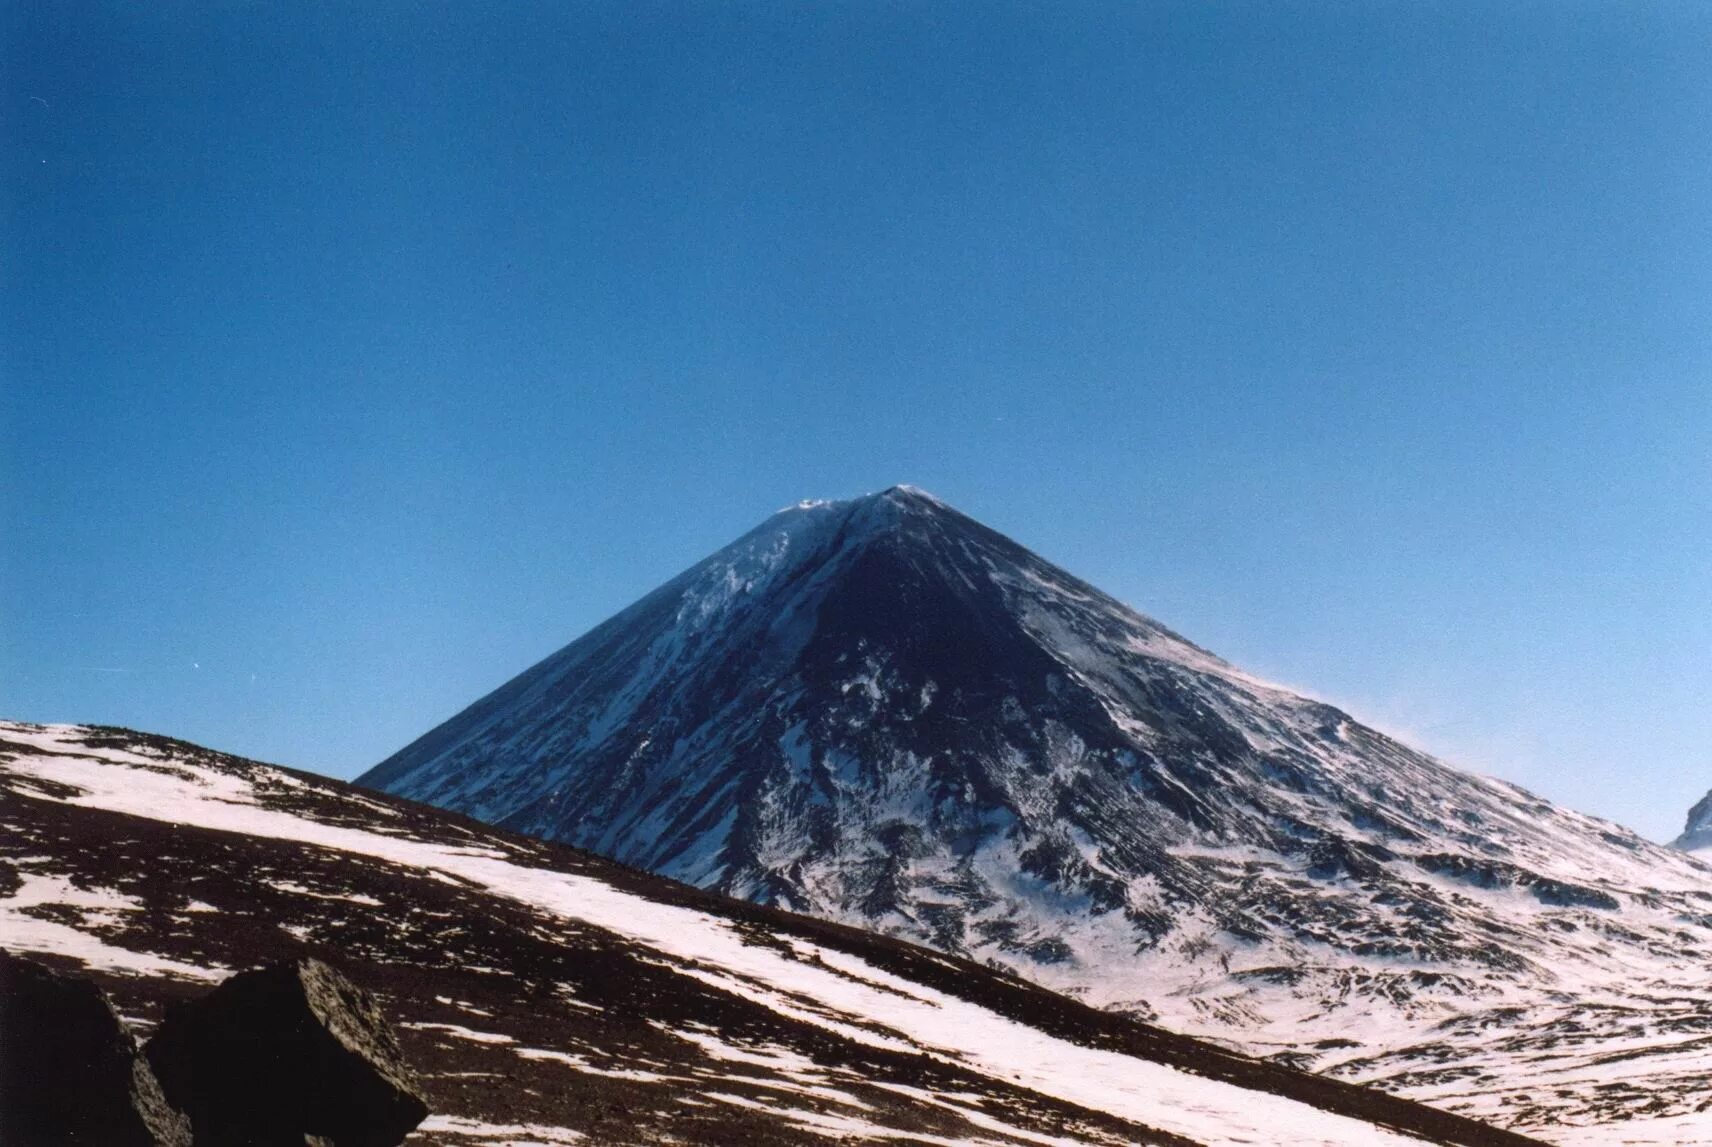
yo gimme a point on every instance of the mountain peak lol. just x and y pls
(816, 532)
(891, 500)
(890, 508)
(907, 495)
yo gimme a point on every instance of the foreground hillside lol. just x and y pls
(882, 712)
(551, 998)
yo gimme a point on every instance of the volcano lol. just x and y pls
(881, 712)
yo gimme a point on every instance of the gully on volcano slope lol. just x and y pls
(883, 713)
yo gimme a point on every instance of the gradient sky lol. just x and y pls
(357, 356)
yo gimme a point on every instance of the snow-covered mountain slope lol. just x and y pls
(548, 997)
(881, 712)
(1697, 833)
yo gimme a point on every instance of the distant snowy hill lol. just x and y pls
(549, 998)
(883, 713)
(1697, 833)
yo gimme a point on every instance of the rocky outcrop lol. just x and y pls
(290, 1054)
(69, 1071)
(293, 1055)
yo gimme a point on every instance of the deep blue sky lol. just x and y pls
(357, 356)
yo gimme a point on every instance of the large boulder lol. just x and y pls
(70, 1072)
(290, 1054)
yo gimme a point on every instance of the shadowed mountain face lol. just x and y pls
(884, 713)
(542, 997)
(1697, 833)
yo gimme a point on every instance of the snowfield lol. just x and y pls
(73, 793)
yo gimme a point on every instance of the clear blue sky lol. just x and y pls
(357, 356)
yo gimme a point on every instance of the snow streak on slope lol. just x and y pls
(881, 712)
(691, 1019)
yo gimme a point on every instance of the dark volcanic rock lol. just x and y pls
(285, 1054)
(70, 1072)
